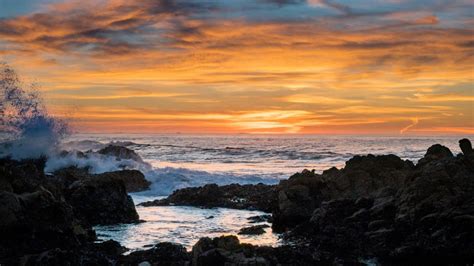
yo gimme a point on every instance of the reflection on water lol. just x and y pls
(184, 225)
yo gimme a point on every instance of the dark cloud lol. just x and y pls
(112, 27)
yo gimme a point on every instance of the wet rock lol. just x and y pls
(255, 197)
(161, 254)
(260, 218)
(134, 180)
(425, 216)
(363, 176)
(121, 153)
(253, 230)
(101, 200)
(227, 250)
(33, 222)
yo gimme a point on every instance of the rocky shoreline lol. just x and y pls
(377, 208)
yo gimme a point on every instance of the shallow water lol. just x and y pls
(183, 225)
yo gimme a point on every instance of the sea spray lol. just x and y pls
(25, 125)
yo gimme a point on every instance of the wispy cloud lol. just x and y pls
(267, 65)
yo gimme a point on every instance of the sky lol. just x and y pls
(248, 66)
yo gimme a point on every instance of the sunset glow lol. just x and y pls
(260, 66)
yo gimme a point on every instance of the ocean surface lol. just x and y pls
(178, 161)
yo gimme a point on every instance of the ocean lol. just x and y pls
(180, 160)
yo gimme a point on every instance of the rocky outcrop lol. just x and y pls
(133, 180)
(121, 153)
(33, 218)
(363, 176)
(161, 254)
(255, 197)
(227, 250)
(426, 217)
(47, 214)
(101, 200)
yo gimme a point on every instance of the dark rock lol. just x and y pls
(434, 153)
(33, 222)
(134, 180)
(121, 153)
(256, 197)
(423, 216)
(253, 230)
(363, 176)
(101, 200)
(466, 147)
(227, 250)
(160, 254)
(260, 219)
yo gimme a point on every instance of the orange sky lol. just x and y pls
(397, 67)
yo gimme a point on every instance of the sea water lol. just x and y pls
(179, 161)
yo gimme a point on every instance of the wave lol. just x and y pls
(168, 179)
(28, 130)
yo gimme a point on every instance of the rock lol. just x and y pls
(434, 153)
(260, 218)
(363, 176)
(134, 180)
(253, 230)
(34, 222)
(121, 153)
(255, 197)
(227, 250)
(161, 254)
(101, 200)
(424, 216)
(466, 147)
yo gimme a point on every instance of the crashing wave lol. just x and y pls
(25, 125)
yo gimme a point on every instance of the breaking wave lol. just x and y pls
(28, 131)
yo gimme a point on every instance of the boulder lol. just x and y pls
(121, 153)
(101, 200)
(435, 153)
(134, 180)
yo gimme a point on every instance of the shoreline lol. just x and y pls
(369, 209)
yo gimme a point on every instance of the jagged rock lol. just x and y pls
(33, 222)
(227, 250)
(101, 200)
(255, 197)
(363, 176)
(427, 218)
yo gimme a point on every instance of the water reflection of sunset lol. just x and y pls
(184, 225)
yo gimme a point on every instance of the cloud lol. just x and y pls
(254, 61)
(414, 122)
(420, 97)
